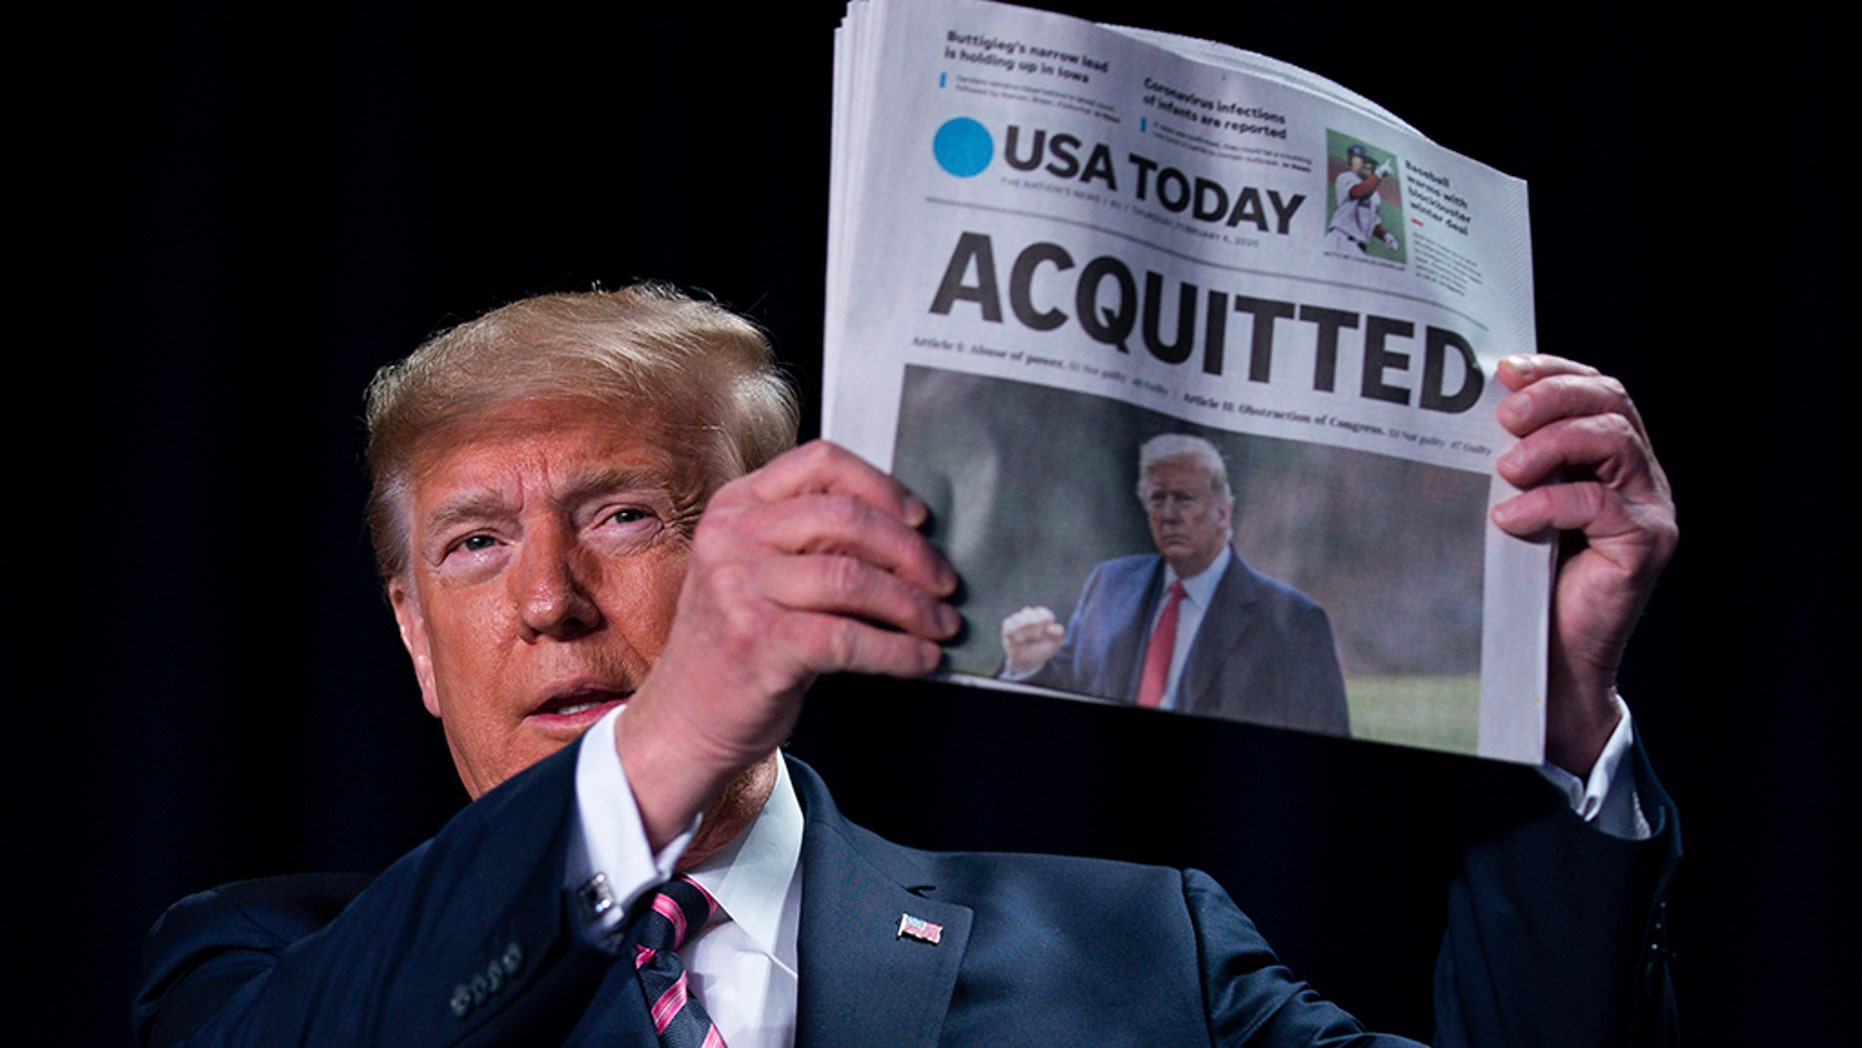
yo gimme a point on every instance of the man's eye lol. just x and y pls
(627, 527)
(477, 543)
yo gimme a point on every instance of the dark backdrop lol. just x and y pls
(220, 222)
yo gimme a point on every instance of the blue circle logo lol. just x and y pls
(963, 147)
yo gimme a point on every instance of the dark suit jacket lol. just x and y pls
(1263, 653)
(469, 939)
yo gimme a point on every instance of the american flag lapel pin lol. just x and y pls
(919, 928)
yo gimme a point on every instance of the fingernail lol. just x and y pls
(916, 512)
(948, 620)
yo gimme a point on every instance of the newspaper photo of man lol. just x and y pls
(1357, 204)
(1189, 627)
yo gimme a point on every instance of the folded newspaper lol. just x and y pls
(1191, 352)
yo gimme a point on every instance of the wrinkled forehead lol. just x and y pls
(1179, 473)
(570, 440)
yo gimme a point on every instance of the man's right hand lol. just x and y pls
(1030, 637)
(812, 564)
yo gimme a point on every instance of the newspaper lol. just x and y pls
(1053, 242)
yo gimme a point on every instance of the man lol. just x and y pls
(539, 477)
(1357, 218)
(1190, 627)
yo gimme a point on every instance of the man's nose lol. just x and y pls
(552, 585)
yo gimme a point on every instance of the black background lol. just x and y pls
(222, 221)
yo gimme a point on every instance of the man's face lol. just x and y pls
(1359, 165)
(548, 543)
(1189, 521)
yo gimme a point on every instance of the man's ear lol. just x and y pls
(413, 624)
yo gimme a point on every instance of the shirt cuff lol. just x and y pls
(610, 865)
(1607, 799)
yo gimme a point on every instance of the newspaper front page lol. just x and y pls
(1060, 250)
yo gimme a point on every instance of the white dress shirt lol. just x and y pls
(741, 965)
(1606, 799)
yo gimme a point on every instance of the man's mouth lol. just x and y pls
(581, 703)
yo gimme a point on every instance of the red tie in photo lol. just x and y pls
(1157, 654)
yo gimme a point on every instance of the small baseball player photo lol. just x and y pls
(1366, 203)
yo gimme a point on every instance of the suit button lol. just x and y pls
(513, 958)
(462, 1001)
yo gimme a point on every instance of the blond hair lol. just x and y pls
(1172, 446)
(709, 373)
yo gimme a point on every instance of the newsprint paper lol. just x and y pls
(1058, 249)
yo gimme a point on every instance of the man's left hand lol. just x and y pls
(1583, 444)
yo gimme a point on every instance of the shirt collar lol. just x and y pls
(753, 876)
(1200, 587)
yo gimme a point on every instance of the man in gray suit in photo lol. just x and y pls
(1190, 627)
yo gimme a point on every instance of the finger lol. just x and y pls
(1026, 617)
(1033, 629)
(1606, 447)
(821, 467)
(1566, 396)
(847, 586)
(835, 643)
(836, 523)
(1600, 512)
(1561, 507)
(1521, 369)
(1031, 635)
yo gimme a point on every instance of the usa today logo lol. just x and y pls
(963, 147)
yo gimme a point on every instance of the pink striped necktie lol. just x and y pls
(1163, 647)
(679, 910)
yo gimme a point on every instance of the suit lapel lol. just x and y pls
(861, 982)
(1227, 619)
(617, 1017)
